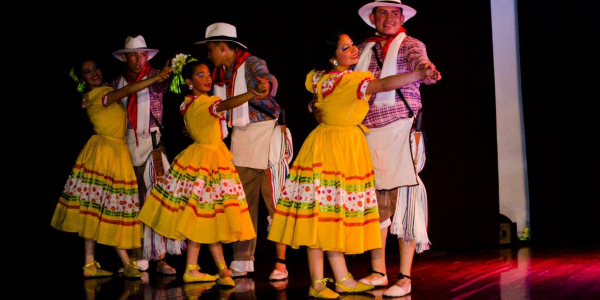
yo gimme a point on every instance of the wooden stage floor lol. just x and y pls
(526, 272)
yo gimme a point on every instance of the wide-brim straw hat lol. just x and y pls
(135, 44)
(366, 10)
(221, 32)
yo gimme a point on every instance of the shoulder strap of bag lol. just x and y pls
(153, 133)
(160, 126)
(380, 64)
(262, 110)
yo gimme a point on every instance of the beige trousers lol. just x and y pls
(255, 182)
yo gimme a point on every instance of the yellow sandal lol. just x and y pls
(227, 281)
(359, 288)
(131, 270)
(325, 293)
(192, 278)
(88, 272)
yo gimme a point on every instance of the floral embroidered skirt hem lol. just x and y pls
(201, 199)
(328, 200)
(100, 199)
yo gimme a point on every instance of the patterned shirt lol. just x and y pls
(411, 56)
(256, 67)
(157, 90)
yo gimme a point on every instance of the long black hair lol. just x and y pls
(325, 50)
(78, 65)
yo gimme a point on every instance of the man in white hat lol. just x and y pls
(144, 118)
(390, 118)
(237, 71)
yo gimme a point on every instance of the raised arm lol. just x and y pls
(233, 102)
(259, 68)
(417, 58)
(393, 82)
(135, 87)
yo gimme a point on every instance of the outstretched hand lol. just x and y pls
(262, 89)
(432, 75)
(165, 73)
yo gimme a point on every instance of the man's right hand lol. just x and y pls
(317, 113)
(165, 72)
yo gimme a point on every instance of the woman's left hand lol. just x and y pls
(432, 75)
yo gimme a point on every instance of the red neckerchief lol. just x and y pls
(378, 38)
(132, 105)
(219, 74)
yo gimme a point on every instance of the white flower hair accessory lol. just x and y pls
(177, 64)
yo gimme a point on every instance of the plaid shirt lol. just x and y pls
(411, 56)
(256, 67)
(157, 90)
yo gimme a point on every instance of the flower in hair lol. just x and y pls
(177, 64)
(80, 84)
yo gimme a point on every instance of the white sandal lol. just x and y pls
(396, 290)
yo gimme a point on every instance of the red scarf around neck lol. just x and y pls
(219, 74)
(388, 40)
(132, 105)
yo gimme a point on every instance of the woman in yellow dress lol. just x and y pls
(100, 199)
(328, 202)
(201, 198)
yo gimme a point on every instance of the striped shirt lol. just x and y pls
(256, 67)
(411, 56)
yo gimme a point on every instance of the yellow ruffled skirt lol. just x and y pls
(328, 200)
(100, 199)
(201, 199)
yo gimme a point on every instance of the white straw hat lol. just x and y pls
(221, 32)
(135, 44)
(366, 10)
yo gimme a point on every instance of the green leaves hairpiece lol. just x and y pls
(80, 84)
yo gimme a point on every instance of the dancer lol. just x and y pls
(144, 120)
(328, 202)
(236, 71)
(202, 199)
(400, 192)
(100, 199)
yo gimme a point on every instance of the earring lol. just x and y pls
(335, 63)
(191, 87)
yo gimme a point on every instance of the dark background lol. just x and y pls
(461, 174)
(560, 104)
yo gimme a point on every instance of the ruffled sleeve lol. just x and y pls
(312, 79)
(309, 81)
(212, 109)
(95, 97)
(363, 79)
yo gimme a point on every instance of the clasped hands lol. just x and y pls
(262, 89)
(432, 75)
